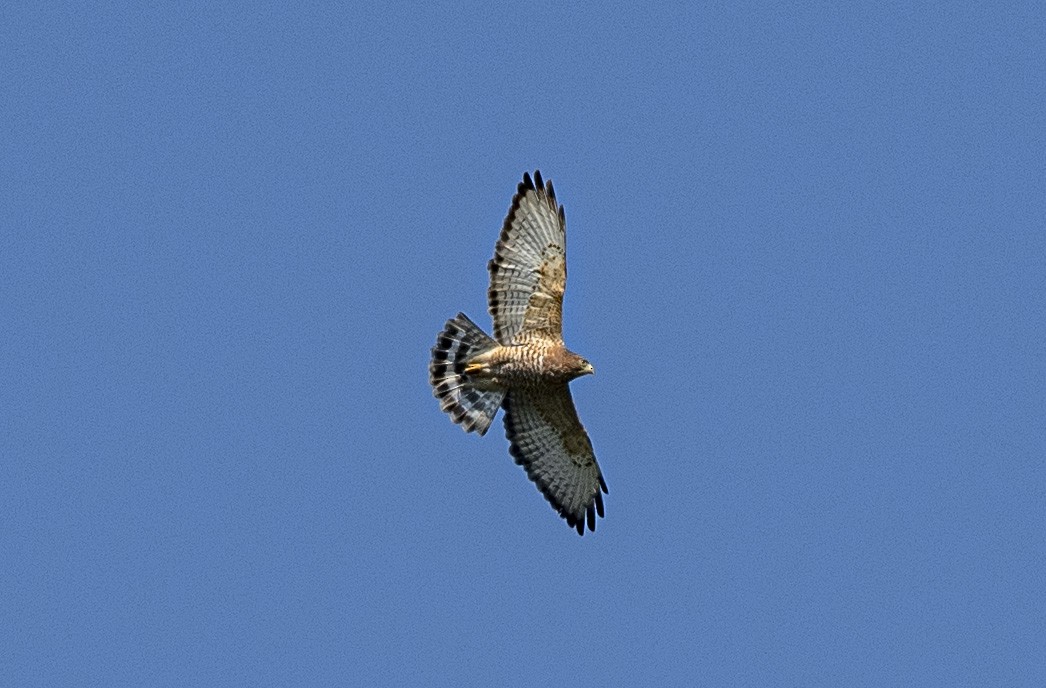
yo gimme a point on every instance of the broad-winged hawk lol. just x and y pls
(525, 368)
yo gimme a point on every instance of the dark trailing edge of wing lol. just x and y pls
(594, 509)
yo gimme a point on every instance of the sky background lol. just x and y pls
(807, 256)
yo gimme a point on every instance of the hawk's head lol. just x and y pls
(563, 365)
(582, 367)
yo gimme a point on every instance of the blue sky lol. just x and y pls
(807, 260)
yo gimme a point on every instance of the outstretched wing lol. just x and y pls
(548, 440)
(529, 270)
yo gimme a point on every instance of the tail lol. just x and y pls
(460, 340)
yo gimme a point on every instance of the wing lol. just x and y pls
(529, 271)
(550, 443)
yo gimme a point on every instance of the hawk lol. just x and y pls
(525, 368)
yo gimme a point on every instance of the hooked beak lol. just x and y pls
(588, 370)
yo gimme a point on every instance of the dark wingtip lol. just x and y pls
(603, 484)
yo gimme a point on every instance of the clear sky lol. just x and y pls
(807, 256)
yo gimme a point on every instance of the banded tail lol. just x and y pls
(471, 408)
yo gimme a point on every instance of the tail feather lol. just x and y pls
(460, 340)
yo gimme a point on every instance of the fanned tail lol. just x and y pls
(471, 408)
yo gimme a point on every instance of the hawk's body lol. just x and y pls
(526, 367)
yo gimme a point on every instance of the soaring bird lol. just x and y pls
(525, 368)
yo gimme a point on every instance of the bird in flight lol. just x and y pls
(525, 368)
